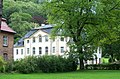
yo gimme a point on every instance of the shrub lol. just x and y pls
(47, 64)
(26, 65)
(103, 66)
(56, 64)
(9, 66)
(2, 64)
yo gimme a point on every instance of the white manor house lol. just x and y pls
(38, 42)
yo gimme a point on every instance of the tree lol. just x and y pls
(19, 15)
(112, 51)
(21, 22)
(87, 22)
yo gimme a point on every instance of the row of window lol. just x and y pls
(46, 39)
(40, 39)
(18, 52)
(40, 50)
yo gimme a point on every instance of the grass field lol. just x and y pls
(94, 74)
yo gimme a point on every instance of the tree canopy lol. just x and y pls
(87, 22)
(19, 15)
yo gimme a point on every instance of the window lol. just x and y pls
(46, 50)
(62, 49)
(5, 41)
(21, 51)
(46, 38)
(5, 55)
(40, 50)
(62, 39)
(27, 41)
(33, 50)
(40, 38)
(27, 50)
(33, 39)
(53, 50)
(16, 51)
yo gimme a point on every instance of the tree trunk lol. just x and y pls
(111, 54)
(81, 58)
(81, 64)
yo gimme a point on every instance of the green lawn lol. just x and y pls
(102, 74)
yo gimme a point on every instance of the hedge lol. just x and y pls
(56, 64)
(47, 64)
(103, 67)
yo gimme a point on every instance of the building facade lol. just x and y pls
(38, 42)
(6, 40)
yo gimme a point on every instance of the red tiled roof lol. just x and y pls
(5, 27)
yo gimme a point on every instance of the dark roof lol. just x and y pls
(31, 32)
(45, 28)
(5, 27)
(20, 43)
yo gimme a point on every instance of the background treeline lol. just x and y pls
(23, 15)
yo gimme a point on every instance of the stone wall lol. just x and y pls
(7, 49)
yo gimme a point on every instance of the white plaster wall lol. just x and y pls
(19, 55)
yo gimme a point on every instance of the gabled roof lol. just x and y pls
(31, 32)
(45, 28)
(5, 27)
(20, 43)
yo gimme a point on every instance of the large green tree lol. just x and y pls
(87, 22)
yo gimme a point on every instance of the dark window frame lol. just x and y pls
(53, 49)
(5, 41)
(62, 49)
(40, 38)
(17, 52)
(34, 39)
(46, 50)
(34, 50)
(46, 38)
(21, 51)
(62, 39)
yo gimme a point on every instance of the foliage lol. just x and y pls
(112, 50)
(2, 64)
(87, 23)
(26, 65)
(35, 1)
(47, 64)
(10, 66)
(56, 64)
(103, 67)
(105, 60)
(19, 15)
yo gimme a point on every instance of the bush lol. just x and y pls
(2, 64)
(26, 65)
(47, 64)
(103, 67)
(9, 66)
(56, 64)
